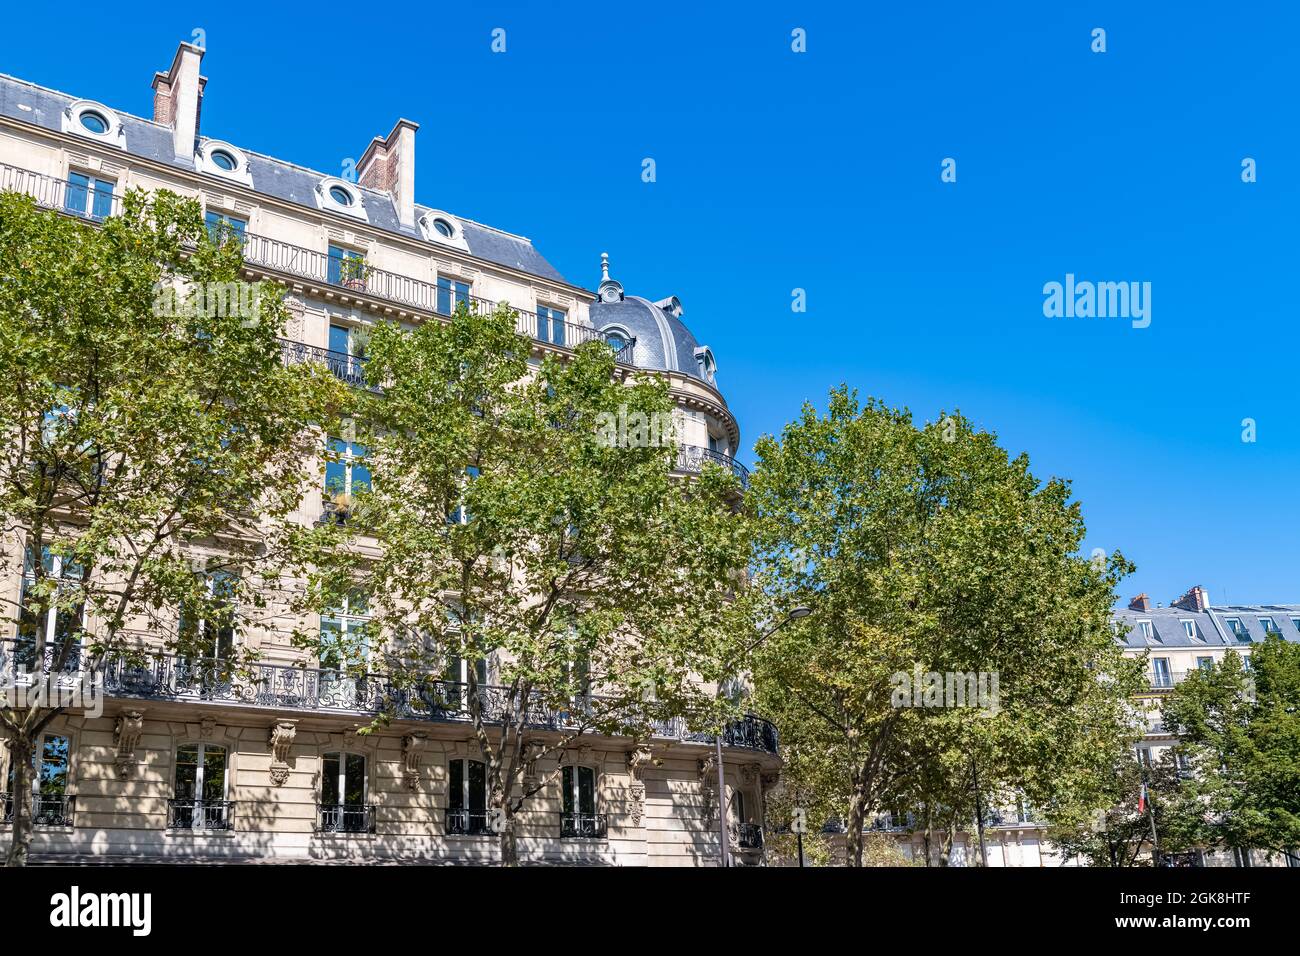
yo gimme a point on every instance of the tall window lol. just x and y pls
(550, 324)
(1146, 629)
(451, 294)
(1160, 672)
(467, 797)
(343, 793)
(348, 353)
(460, 514)
(222, 227)
(1269, 625)
(1189, 630)
(346, 474)
(48, 782)
(200, 800)
(88, 196)
(1238, 629)
(579, 803)
(47, 632)
(346, 267)
(344, 642)
(207, 635)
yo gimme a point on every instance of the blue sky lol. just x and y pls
(821, 171)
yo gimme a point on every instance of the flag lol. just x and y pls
(1142, 799)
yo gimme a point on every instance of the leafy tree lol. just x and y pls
(512, 525)
(929, 547)
(1239, 728)
(148, 420)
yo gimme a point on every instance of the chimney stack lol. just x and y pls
(388, 164)
(1140, 603)
(1196, 599)
(178, 97)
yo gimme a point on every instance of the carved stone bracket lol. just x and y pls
(207, 726)
(709, 784)
(531, 778)
(126, 735)
(412, 747)
(637, 761)
(283, 733)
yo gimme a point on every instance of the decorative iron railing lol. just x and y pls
(156, 675)
(200, 814)
(48, 809)
(583, 826)
(345, 818)
(692, 459)
(345, 272)
(749, 836)
(461, 822)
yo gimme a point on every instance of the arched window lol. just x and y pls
(467, 797)
(199, 801)
(343, 789)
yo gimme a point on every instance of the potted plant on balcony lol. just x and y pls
(338, 507)
(353, 272)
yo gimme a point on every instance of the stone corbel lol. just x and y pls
(126, 735)
(709, 784)
(412, 747)
(283, 733)
(637, 761)
(531, 778)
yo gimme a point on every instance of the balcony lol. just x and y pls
(350, 275)
(749, 836)
(200, 815)
(692, 459)
(1165, 680)
(467, 822)
(345, 818)
(891, 822)
(48, 809)
(583, 826)
(155, 675)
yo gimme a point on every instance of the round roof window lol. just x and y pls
(94, 122)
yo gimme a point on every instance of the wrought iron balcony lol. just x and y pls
(343, 272)
(749, 836)
(692, 459)
(891, 822)
(48, 809)
(583, 826)
(200, 814)
(1165, 680)
(155, 675)
(345, 818)
(462, 822)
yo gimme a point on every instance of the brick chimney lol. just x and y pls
(1140, 603)
(178, 97)
(1196, 599)
(388, 164)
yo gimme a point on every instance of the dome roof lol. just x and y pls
(662, 340)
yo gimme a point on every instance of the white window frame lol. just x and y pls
(204, 162)
(114, 136)
(198, 816)
(1189, 629)
(1147, 630)
(356, 209)
(93, 180)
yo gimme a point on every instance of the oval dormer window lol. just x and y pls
(444, 228)
(341, 195)
(93, 122)
(223, 160)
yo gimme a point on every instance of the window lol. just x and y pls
(1147, 632)
(46, 633)
(444, 228)
(207, 638)
(346, 475)
(94, 122)
(467, 797)
(714, 444)
(1144, 756)
(223, 160)
(341, 195)
(550, 325)
(1204, 663)
(1189, 629)
(200, 795)
(617, 339)
(88, 196)
(451, 294)
(1269, 625)
(455, 691)
(460, 514)
(346, 267)
(1160, 676)
(1295, 622)
(347, 354)
(1238, 629)
(578, 816)
(344, 642)
(343, 790)
(222, 227)
(51, 804)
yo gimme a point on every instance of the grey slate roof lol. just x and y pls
(662, 340)
(271, 177)
(1168, 632)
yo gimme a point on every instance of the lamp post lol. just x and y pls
(725, 856)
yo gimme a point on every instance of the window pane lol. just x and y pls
(456, 786)
(338, 339)
(54, 766)
(329, 780)
(187, 772)
(586, 790)
(75, 198)
(103, 203)
(567, 775)
(214, 773)
(355, 781)
(477, 785)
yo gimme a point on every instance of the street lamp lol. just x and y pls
(725, 858)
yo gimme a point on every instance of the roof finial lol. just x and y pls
(604, 266)
(610, 290)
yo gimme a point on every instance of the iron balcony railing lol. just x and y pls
(48, 809)
(156, 675)
(891, 822)
(583, 826)
(692, 459)
(345, 818)
(749, 836)
(461, 822)
(1166, 680)
(342, 271)
(204, 815)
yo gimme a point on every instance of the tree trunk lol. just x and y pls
(857, 817)
(509, 842)
(20, 759)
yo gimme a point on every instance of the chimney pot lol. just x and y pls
(388, 165)
(1196, 599)
(1140, 603)
(178, 97)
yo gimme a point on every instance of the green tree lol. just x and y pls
(516, 525)
(930, 548)
(1239, 728)
(153, 438)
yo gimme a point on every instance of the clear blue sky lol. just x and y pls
(821, 171)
